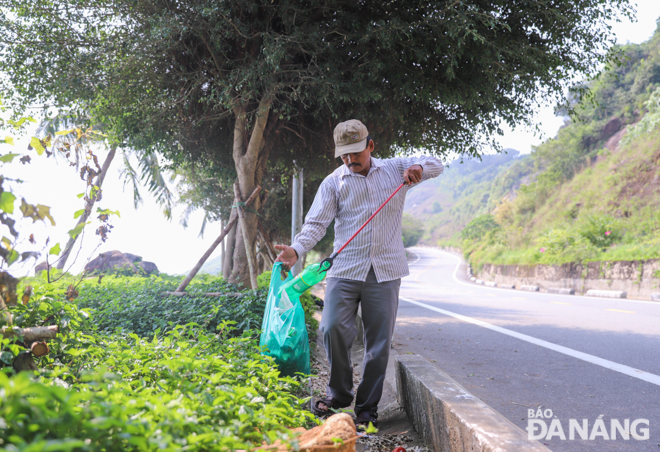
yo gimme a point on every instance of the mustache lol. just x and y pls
(353, 164)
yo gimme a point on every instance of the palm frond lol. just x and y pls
(185, 216)
(130, 176)
(204, 222)
(153, 177)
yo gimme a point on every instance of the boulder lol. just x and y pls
(42, 266)
(133, 258)
(111, 261)
(612, 127)
(148, 267)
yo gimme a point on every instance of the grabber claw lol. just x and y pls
(326, 263)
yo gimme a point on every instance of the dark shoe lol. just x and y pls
(331, 406)
(317, 301)
(365, 417)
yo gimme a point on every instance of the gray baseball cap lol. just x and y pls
(350, 136)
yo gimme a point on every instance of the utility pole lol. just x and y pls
(297, 212)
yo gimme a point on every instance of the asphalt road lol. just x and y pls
(584, 358)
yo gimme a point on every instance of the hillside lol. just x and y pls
(590, 193)
(466, 188)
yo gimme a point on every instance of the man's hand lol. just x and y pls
(413, 174)
(288, 256)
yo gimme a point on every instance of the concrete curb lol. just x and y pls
(507, 286)
(448, 417)
(655, 296)
(530, 288)
(561, 290)
(491, 284)
(605, 293)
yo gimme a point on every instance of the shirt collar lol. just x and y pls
(375, 164)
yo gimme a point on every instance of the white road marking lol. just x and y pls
(621, 368)
(415, 261)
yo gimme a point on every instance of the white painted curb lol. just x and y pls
(606, 293)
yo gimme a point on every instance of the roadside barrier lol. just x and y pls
(530, 288)
(606, 293)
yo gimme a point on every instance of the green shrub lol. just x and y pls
(134, 304)
(602, 231)
(559, 246)
(188, 390)
(479, 227)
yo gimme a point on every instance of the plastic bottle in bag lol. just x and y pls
(310, 276)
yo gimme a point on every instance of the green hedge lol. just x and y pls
(187, 390)
(115, 380)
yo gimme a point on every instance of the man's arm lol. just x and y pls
(409, 168)
(320, 215)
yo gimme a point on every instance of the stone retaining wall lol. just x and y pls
(638, 278)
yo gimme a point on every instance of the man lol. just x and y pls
(369, 270)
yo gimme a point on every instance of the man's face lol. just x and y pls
(359, 161)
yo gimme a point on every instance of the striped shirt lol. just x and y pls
(350, 199)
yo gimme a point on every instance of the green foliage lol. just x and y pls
(561, 245)
(412, 230)
(649, 122)
(479, 227)
(601, 231)
(189, 389)
(199, 387)
(143, 310)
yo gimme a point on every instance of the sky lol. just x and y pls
(172, 248)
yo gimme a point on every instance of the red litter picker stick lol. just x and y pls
(327, 262)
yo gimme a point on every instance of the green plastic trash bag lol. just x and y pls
(284, 334)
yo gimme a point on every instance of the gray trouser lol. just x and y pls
(380, 302)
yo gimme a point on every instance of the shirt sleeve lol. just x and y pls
(432, 166)
(320, 215)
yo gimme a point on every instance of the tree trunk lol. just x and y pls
(249, 250)
(223, 252)
(30, 334)
(61, 262)
(8, 286)
(24, 361)
(232, 221)
(250, 157)
(39, 348)
(6, 313)
(228, 260)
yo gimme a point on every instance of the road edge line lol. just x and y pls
(602, 362)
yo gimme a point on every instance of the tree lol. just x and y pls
(74, 139)
(247, 86)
